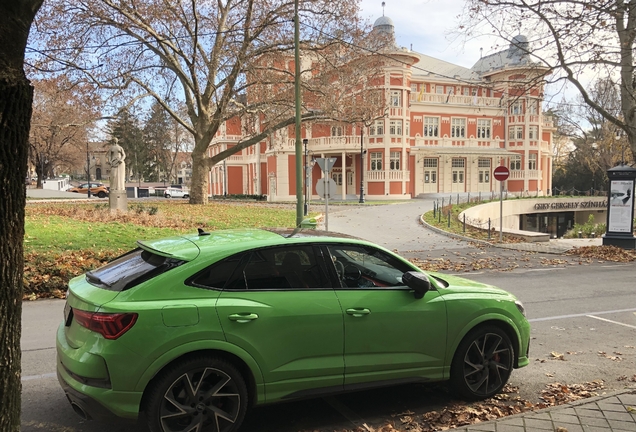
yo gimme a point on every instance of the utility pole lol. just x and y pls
(299, 182)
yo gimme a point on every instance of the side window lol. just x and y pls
(217, 275)
(291, 267)
(366, 267)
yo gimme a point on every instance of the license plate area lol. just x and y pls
(68, 314)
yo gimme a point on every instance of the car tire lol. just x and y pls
(186, 196)
(482, 363)
(166, 195)
(218, 402)
(101, 194)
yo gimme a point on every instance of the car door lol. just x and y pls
(389, 334)
(280, 307)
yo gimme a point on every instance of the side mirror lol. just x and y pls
(418, 282)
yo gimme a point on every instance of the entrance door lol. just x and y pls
(430, 175)
(458, 175)
(337, 178)
(483, 182)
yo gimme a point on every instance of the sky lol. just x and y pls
(425, 25)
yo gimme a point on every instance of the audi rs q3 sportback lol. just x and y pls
(188, 332)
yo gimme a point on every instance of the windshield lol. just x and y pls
(131, 269)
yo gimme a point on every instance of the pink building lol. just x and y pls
(447, 127)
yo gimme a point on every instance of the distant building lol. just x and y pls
(447, 127)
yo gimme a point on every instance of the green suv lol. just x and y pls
(188, 332)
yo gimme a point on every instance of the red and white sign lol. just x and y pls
(501, 173)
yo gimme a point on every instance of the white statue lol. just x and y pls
(116, 156)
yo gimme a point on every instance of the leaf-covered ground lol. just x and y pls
(459, 414)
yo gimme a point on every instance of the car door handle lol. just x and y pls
(358, 312)
(243, 318)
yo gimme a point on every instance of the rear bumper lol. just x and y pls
(84, 405)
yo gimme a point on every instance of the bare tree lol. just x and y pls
(16, 95)
(222, 59)
(578, 41)
(62, 116)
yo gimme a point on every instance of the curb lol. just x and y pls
(484, 242)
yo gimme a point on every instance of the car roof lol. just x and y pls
(224, 242)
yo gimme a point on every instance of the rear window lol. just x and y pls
(130, 270)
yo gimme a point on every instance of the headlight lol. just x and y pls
(520, 307)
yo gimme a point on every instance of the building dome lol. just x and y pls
(384, 26)
(383, 21)
(518, 46)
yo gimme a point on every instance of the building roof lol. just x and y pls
(517, 54)
(430, 65)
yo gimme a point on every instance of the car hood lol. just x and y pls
(460, 285)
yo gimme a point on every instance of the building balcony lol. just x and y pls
(348, 144)
(456, 143)
(221, 139)
(436, 98)
(525, 175)
(391, 175)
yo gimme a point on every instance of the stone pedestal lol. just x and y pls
(118, 201)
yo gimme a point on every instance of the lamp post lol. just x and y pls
(361, 164)
(88, 170)
(306, 205)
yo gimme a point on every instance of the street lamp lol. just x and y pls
(306, 206)
(362, 164)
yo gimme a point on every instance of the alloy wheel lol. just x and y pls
(204, 399)
(487, 364)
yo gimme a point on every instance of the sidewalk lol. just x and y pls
(612, 412)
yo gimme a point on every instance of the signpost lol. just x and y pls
(501, 174)
(325, 187)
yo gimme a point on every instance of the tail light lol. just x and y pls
(109, 325)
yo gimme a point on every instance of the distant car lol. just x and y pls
(97, 188)
(192, 331)
(176, 193)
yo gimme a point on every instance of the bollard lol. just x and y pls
(439, 215)
(434, 209)
(449, 216)
(464, 222)
(488, 228)
(457, 199)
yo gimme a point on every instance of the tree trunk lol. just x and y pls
(16, 96)
(199, 184)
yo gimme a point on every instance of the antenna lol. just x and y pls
(383, 4)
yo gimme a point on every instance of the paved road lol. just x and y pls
(394, 226)
(585, 311)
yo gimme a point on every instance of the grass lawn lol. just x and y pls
(65, 227)
(63, 240)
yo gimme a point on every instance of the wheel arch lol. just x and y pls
(247, 368)
(503, 323)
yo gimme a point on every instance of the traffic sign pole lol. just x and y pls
(325, 165)
(501, 211)
(501, 173)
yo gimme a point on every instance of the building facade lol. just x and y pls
(445, 129)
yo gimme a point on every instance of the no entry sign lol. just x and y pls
(501, 173)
